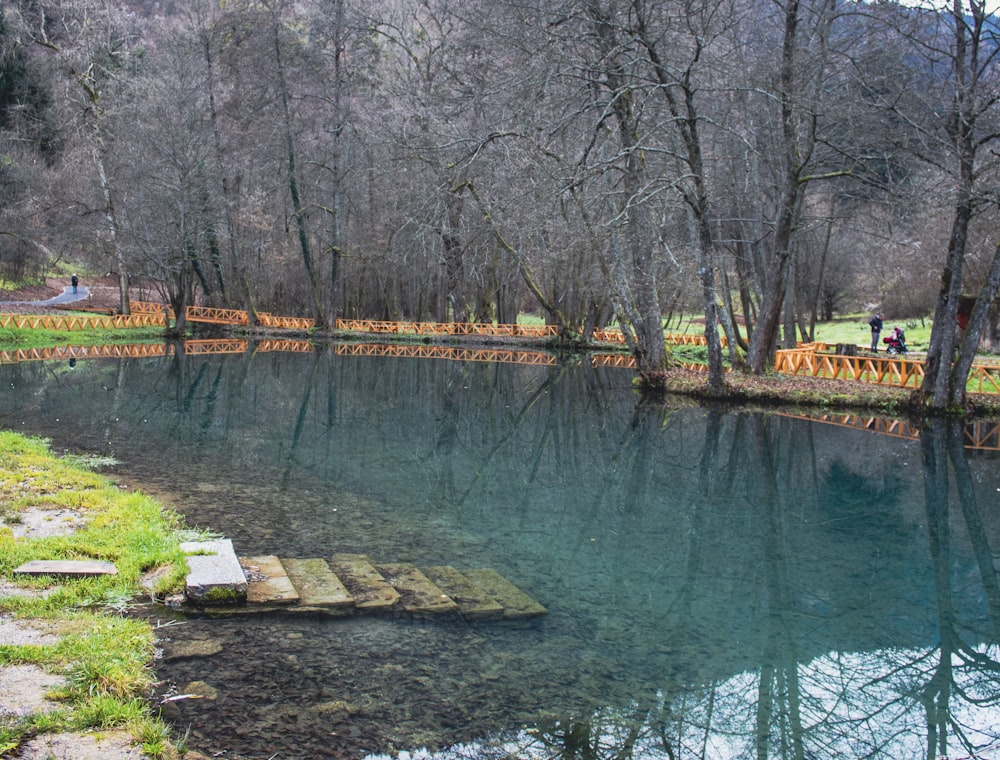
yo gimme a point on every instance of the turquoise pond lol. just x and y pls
(719, 584)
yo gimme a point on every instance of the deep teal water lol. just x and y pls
(719, 584)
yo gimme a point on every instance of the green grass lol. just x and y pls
(855, 329)
(104, 656)
(17, 338)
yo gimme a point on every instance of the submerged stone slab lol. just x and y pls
(417, 594)
(371, 591)
(267, 581)
(214, 573)
(472, 601)
(316, 584)
(516, 604)
(81, 567)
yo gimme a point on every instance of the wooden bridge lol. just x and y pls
(812, 359)
(346, 584)
(386, 327)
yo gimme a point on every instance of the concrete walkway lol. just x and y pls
(67, 296)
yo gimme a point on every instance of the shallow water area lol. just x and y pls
(718, 584)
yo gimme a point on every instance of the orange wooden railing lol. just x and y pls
(77, 321)
(984, 379)
(284, 323)
(807, 359)
(145, 307)
(979, 434)
(224, 346)
(387, 327)
(216, 316)
(484, 329)
(609, 335)
(284, 344)
(151, 350)
(455, 353)
(141, 351)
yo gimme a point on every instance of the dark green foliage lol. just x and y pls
(25, 99)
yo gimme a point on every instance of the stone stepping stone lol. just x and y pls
(418, 594)
(370, 589)
(472, 601)
(267, 581)
(214, 573)
(79, 567)
(316, 584)
(516, 604)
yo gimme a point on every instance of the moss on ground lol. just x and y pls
(104, 656)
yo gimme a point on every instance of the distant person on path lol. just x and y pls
(876, 325)
(74, 280)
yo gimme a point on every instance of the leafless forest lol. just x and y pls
(766, 163)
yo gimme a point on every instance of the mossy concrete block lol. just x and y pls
(317, 585)
(214, 573)
(473, 602)
(516, 604)
(80, 567)
(268, 581)
(418, 594)
(370, 590)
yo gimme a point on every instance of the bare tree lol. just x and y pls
(93, 41)
(968, 133)
(169, 222)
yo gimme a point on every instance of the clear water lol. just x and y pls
(719, 584)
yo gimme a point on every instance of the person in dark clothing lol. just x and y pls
(876, 325)
(74, 281)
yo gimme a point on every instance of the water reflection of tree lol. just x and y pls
(962, 671)
(782, 694)
(849, 704)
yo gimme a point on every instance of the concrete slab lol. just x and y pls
(316, 584)
(267, 581)
(214, 573)
(371, 591)
(516, 604)
(80, 567)
(24, 690)
(472, 601)
(418, 594)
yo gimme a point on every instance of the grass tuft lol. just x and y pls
(104, 655)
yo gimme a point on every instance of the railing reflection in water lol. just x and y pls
(980, 434)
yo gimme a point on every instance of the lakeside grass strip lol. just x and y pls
(104, 657)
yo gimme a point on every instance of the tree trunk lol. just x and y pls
(939, 387)
(298, 210)
(230, 193)
(112, 220)
(633, 254)
(684, 110)
(764, 338)
(94, 109)
(978, 324)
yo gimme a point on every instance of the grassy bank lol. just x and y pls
(101, 657)
(16, 338)
(812, 392)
